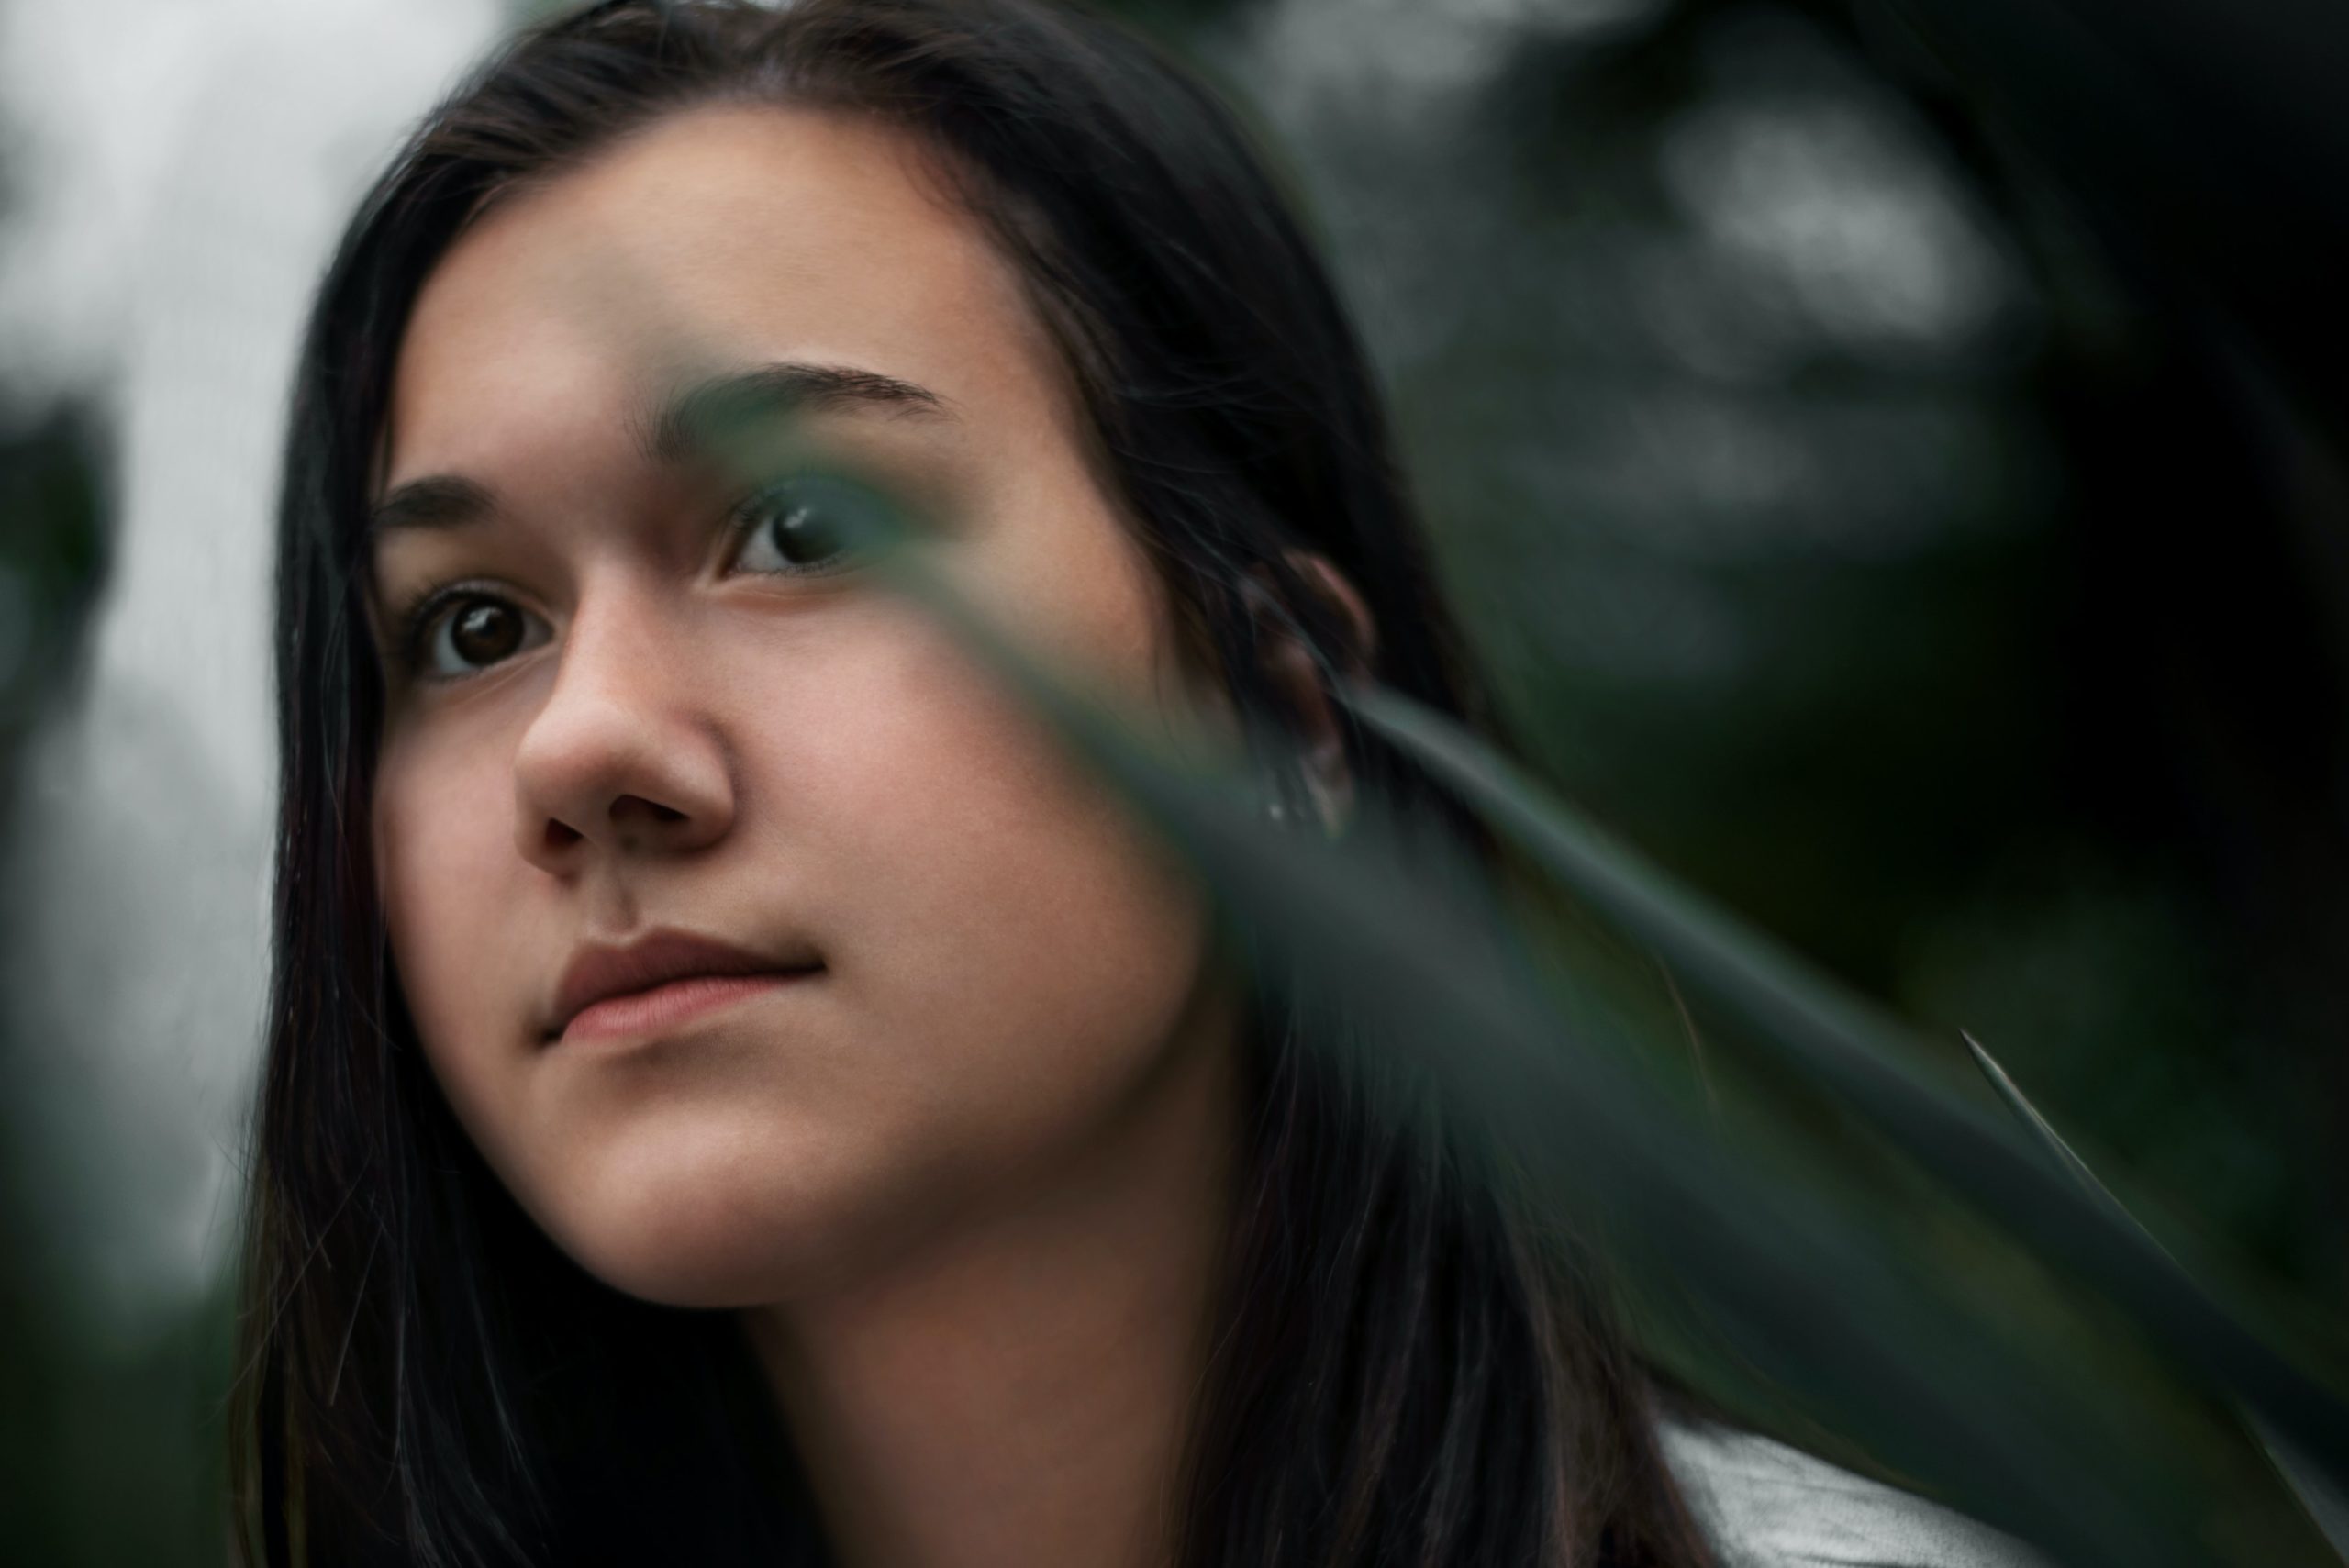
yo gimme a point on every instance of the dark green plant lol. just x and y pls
(2320, 1493)
(1797, 1280)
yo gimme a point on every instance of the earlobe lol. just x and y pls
(1327, 779)
(1297, 676)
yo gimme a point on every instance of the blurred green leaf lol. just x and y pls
(1843, 1045)
(2317, 1493)
(1924, 1369)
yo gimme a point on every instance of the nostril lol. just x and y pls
(630, 806)
(559, 836)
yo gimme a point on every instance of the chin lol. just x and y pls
(706, 1223)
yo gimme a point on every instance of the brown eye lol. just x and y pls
(805, 527)
(476, 632)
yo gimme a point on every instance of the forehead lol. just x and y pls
(713, 237)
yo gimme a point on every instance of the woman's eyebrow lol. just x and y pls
(712, 418)
(717, 417)
(436, 501)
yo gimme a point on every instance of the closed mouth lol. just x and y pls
(672, 1004)
(662, 978)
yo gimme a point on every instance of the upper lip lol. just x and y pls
(602, 970)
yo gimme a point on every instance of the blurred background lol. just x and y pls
(1884, 449)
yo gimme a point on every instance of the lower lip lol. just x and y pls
(641, 1013)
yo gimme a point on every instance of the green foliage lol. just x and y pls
(2320, 1493)
(1989, 1386)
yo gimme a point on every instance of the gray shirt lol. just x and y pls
(1767, 1505)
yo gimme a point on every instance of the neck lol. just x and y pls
(1018, 1391)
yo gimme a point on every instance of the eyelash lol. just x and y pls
(744, 520)
(417, 617)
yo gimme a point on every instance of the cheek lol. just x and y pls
(1017, 960)
(1006, 906)
(444, 840)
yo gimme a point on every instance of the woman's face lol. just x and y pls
(659, 730)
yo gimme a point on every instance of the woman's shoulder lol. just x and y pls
(1764, 1505)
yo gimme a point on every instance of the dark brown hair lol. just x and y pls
(1403, 1375)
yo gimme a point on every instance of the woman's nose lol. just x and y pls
(623, 758)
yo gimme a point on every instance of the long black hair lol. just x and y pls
(1401, 1376)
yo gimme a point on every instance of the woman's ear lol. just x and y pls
(1297, 676)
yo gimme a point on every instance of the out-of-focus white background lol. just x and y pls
(176, 171)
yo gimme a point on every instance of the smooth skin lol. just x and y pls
(967, 1185)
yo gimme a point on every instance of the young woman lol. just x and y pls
(737, 1091)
